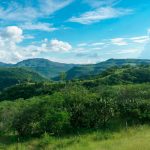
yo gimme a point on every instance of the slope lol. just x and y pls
(11, 76)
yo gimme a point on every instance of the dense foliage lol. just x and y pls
(75, 108)
(112, 76)
(28, 90)
(117, 97)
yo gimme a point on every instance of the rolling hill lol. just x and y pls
(94, 69)
(10, 76)
(120, 76)
(44, 67)
(124, 75)
(51, 70)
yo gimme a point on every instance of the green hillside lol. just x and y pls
(120, 75)
(113, 76)
(45, 67)
(11, 76)
(49, 69)
(94, 69)
(104, 111)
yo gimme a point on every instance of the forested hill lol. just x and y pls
(52, 70)
(120, 75)
(44, 67)
(11, 76)
(115, 99)
(124, 75)
(94, 69)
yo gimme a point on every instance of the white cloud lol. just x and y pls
(12, 33)
(39, 26)
(11, 51)
(50, 6)
(19, 12)
(100, 14)
(56, 46)
(119, 41)
(9, 38)
(140, 39)
(97, 44)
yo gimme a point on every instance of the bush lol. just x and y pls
(87, 110)
(40, 115)
(75, 108)
(135, 111)
(8, 111)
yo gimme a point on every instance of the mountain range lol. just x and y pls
(37, 70)
(94, 69)
(52, 70)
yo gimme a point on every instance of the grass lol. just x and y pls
(135, 138)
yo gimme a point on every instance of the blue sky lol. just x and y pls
(74, 31)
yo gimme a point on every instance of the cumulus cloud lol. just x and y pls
(12, 33)
(11, 51)
(100, 14)
(9, 38)
(56, 46)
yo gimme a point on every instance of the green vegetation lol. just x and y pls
(84, 71)
(121, 75)
(54, 70)
(100, 112)
(75, 108)
(135, 138)
(12, 76)
(44, 67)
(28, 90)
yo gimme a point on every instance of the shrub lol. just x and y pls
(43, 114)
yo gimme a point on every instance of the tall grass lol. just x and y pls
(135, 138)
